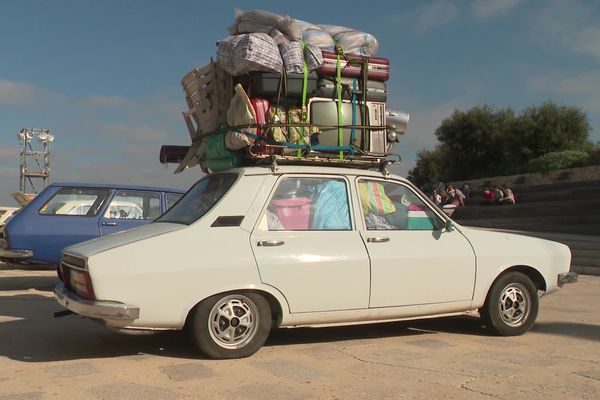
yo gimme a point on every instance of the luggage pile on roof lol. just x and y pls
(287, 90)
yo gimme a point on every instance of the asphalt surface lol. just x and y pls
(453, 358)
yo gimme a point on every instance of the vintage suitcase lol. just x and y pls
(273, 87)
(376, 90)
(352, 65)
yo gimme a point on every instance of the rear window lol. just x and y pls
(200, 199)
(75, 201)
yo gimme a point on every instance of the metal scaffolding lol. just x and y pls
(35, 158)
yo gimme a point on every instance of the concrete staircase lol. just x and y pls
(567, 212)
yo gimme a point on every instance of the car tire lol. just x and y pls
(231, 325)
(511, 306)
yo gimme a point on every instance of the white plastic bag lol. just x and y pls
(353, 41)
(281, 28)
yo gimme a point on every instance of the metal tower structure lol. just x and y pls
(35, 158)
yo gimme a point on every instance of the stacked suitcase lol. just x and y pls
(363, 100)
(335, 110)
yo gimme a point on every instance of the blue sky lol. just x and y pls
(104, 76)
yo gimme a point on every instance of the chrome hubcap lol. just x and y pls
(514, 304)
(233, 321)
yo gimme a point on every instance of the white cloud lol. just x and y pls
(569, 23)
(106, 102)
(438, 13)
(128, 132)
(16, 93)
(586, 83)
(583, 88)
(492, 8)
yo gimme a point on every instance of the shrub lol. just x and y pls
(594, 157)
(557, 160)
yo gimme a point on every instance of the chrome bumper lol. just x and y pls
(104, 310)
(567, 277)
(8, 254)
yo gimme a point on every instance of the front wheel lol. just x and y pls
(233, 325)
(511, 305)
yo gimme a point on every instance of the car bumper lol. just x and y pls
(15, 254)
(103, 310)
(567, 277)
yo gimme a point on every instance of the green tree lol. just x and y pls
(484, 141)
(475, 141)
(548, 129)
(429, 167)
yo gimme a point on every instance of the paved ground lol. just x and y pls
(71, 358)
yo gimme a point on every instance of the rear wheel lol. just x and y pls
(511, 306)
(233, 325)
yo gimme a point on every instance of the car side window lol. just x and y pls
(134, 204)
(392, 206)
(308, 204)
(172, 198)
(75, 201)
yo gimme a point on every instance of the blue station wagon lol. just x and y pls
(67, 213)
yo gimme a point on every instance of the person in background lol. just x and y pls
(436, 197)
(487, 196)
(466, 189)
(509, 196)
(498, 195)
(454, 196)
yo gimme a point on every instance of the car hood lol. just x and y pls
(98, 245)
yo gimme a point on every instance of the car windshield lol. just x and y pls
(200, 199)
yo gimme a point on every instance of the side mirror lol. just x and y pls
(449, 225)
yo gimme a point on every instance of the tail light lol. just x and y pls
(80, 282)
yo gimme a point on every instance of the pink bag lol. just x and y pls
(261, 108)
(294, 213)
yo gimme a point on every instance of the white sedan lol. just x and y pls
(253, 248)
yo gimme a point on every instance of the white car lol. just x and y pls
(253, 248)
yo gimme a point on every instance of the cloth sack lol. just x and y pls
(281, 28)
(245, 53)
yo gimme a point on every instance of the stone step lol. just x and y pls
(586, 253)
(588, 262)
(585, 270)
(555, 208)
(535, 225)
(519, 222)
(543, 196)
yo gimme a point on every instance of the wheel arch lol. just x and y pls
(274, 305)
(536, 277)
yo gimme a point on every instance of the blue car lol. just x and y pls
(67, 213)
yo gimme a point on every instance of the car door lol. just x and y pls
(414, 260)
(129, 209)
(68, 216)
(306, 246)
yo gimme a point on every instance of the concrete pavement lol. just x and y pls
(453, 358)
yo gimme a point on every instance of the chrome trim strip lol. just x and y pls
(20, 254)
(69, 265)
(94, 309)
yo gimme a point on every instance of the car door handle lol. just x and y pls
(378, 239)
(270, 243)
(109, 224)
